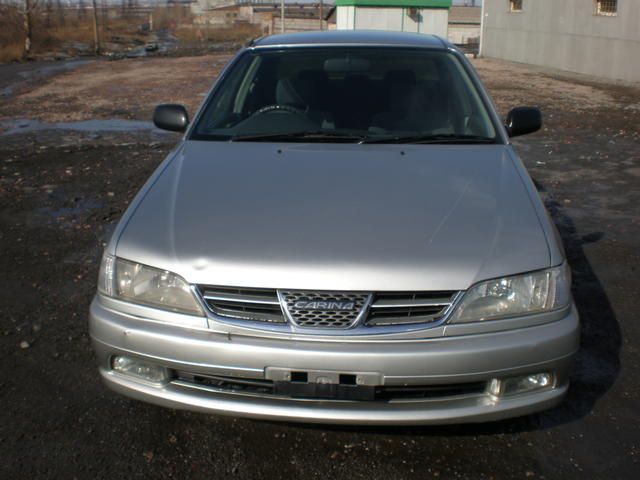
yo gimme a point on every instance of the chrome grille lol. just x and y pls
(405, 308)
(278, 307)
(256, 304)
(324, 309)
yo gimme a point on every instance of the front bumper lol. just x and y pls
(435, 361)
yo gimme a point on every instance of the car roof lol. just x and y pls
(352, 37)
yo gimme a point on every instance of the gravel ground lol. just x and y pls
(61, 193)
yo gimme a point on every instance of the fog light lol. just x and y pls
(525, 383)
(143, 370)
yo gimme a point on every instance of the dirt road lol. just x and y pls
(61, 192)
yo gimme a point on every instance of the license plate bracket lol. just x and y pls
(324, 384)
(324, 391)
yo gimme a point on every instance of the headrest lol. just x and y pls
(401, 77)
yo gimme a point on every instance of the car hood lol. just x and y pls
(337, 217)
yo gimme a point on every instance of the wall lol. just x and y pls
(220, 17)
(345, 18)
(427, 20)
(265, 15)
(565, 35)
(292, 25)
(463, 34)
(200, 6)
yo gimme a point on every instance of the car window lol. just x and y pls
(370, 92)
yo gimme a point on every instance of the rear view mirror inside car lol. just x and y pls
(347, 64)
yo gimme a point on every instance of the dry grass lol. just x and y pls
(10, 53)
(50, 32)
(201, 35)
(54, 31)
(11, 34)
(170, 17)
(55, 36)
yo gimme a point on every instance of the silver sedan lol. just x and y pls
(344, 234)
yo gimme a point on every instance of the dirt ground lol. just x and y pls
(127, 88)
(62, 191)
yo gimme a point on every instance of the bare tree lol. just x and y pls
(281, 16)
(60, 10)
(104, 12)
(48, 9)
(96, 38)
(27, 11)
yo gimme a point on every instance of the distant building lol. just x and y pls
(593, 37)
(200, 6)
(299, 17)
(464, 25)
(421, 16)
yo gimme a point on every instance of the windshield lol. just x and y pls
(350, 94)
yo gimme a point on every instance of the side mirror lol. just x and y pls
(171, 117)
(523, 120)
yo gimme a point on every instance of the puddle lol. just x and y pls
(13, 127)
(166, 41)
(162, 42)
(80, 207)
(6, 91)
(33, 71)
(53, 67)
(137, 52)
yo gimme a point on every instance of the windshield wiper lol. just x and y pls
(434, 139)
(297, 136)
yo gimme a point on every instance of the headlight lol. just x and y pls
(137, 283)
(529, 293)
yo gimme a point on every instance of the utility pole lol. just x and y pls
(27, 27)
(96, 39)
(29, 7)
(281, 16)
(320, 8)
(482, 27)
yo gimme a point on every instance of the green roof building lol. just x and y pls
(421, 16)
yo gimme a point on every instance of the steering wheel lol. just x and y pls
(276, 107)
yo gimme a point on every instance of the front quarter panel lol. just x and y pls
(111, 246)
(556, 250)
(137, 200)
